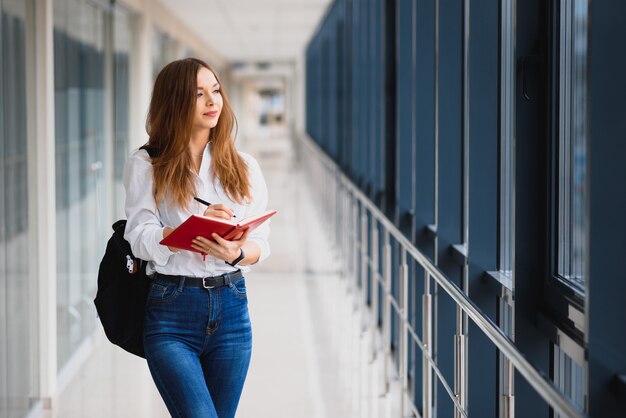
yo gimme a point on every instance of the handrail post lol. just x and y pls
(507, 375)
(427, 374)
(508, 399)
(386, 312)
(404, 331)
(364, 261)
(460, 366)
(375, 276)
(356, 247)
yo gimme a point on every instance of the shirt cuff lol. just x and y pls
(263, 247)
(162, 253)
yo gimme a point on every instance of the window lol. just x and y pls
(18, 318)
(567, 373)
(122, 66)
(81, 159)
(572, 137)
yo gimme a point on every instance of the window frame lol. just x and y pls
(563, 289)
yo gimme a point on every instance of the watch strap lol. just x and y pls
(238, 259)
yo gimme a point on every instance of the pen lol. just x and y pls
(204, 202)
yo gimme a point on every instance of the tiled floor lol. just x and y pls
(294, 300)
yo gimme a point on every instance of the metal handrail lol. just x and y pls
(542, 384)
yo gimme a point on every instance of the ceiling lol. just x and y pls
(252, 30)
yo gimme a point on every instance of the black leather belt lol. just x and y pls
(206, 282)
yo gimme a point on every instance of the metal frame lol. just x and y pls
(321, 166)
(506, 265)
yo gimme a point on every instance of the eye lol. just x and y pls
(199, 94)
(217, 91)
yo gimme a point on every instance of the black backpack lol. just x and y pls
(122, 291)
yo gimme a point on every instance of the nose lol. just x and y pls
(210, 99)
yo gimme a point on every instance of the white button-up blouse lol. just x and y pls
(146, 219)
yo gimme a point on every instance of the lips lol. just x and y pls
(212, 113)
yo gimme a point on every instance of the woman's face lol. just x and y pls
(208, 100)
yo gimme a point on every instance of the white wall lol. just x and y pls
(151, 14)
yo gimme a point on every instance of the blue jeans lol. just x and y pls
(198, 344)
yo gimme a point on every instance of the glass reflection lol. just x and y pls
(80, 158)
(18, 329)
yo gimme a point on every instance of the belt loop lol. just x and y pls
(181, 283)
(227, 280)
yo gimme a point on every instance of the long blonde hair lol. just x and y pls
(169, 125)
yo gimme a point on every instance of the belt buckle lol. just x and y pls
(205, 285)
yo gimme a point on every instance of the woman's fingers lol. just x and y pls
(221, 241)
(243, 237)
(203, 244)
(223, 249)
(219, 210)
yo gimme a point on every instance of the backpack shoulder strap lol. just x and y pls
(152, 152)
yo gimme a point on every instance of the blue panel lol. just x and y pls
(332, 107)
(357, 142)
(405, 166)
(607, 195)
(424, 117)
(340, 53)
(377, 108)
(345, 53)
(532, 147)
(371, 106)
(450, 133)
(483, 198)
(389, 104)
(325, 87)
(366, 98)
(533, 348)
(450, 181)
(367, 30)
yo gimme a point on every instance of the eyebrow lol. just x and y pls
(200, 87)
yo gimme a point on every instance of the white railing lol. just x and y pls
(352, 208)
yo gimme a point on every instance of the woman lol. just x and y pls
(197, 333)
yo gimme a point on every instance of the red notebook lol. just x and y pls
(198, 225)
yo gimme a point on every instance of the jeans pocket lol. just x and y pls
(162, 292)
(238, 288)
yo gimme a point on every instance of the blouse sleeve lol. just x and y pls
(258, 205)
(144, 230)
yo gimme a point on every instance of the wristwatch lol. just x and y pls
(238, 259)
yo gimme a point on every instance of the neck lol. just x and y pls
(198, 141)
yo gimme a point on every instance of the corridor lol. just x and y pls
(293, 298)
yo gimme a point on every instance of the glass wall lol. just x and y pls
(572, 150)
(18, 331)
(164, 51)
(122, 53)
(81, 192)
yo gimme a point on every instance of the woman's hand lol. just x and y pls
(221, 248)
(218, 210)
(166, 231)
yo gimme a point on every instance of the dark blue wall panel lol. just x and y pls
(405, 93)
(450, 182)
(607, 151)
(483, 198)
(424, 118)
